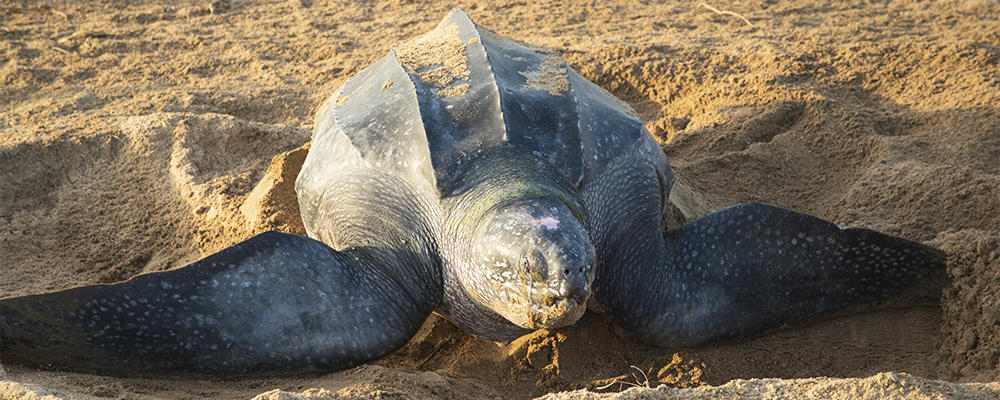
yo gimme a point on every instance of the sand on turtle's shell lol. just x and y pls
(141, 137)
(438, 58)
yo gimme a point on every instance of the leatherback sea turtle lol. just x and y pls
(482, 177)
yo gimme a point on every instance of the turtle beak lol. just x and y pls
(575, 282)
(580, 293)
(576, 273)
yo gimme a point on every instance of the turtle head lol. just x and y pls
(539, 261)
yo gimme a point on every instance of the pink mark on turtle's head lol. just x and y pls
(548, 222)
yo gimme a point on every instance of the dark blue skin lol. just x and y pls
(504, 205)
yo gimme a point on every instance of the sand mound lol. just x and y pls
(142, 196)
(141, 137)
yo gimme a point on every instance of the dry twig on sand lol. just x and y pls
(644, 383)
(717, 11)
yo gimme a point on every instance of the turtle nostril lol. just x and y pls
(566, 271)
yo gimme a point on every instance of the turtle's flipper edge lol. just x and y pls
(275, 302)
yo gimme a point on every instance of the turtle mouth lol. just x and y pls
(562, 312)
(553, 311)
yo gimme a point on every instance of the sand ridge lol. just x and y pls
(137, 137)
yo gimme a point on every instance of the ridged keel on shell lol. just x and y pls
(352, 131)
(457, 92)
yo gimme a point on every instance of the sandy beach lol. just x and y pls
(142, 136)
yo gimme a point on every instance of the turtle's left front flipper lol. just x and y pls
(275, 302)
(739, 271)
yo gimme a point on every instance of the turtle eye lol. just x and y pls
(533, 264)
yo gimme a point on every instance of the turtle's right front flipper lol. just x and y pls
(740, 271)
(276, 302)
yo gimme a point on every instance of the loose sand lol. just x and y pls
(141, 137)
